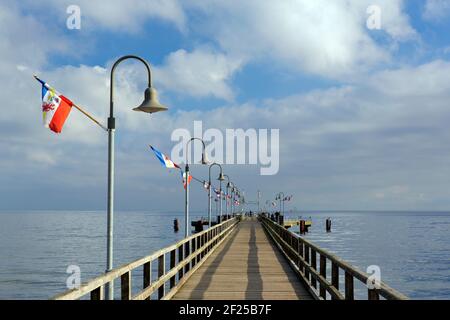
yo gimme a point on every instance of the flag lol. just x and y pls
(218, 192)
(183, 176)
(165, 161)
(55, 108)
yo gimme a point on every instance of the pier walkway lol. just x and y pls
(247, 266)
(238, 259)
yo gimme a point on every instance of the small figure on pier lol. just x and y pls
(176, 227)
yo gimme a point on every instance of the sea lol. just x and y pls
(39, 250)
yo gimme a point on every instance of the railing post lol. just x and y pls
(349, 292)
(202, 243)
(300, 252)
(186, 254)
(323, 273)
(98, 294)
(307, 261)
(125, 286)
(314, 266)
(161, 271)
(180, 259)
(194, 249)
(335, 275)
(373, 294)
(173, 259)
(147, 275)
(198, 246)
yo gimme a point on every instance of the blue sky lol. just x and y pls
(361, 113)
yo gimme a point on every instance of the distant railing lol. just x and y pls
(184, 257)
(303, 255)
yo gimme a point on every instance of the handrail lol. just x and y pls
(303, 254)
(184, 257)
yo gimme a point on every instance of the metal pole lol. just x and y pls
(232, 201)
(109, 290)
(220, 199)
(186, 198)
(259, 196)
(186, 204)
(209, 202)
(280, 204)
(226, 198)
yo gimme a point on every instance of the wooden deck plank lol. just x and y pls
(247, 266)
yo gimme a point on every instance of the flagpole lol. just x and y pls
(90, 117)
(73, 104)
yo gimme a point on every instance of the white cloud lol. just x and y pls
(430, 79)
(436, 10)
(24, 39)
(117, 15)
(328, 38)
(394, 21)
(200, 73)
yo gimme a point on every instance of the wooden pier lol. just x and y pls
(238, 259)
(247, 266)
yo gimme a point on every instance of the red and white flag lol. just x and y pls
(183, 175)
(55, 108)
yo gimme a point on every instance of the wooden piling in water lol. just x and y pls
(328, 225)
(302, 225)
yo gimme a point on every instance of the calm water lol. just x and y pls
(412, 249)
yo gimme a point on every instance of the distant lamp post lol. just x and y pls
(231, 185)
(259, 197)
(149, 105)
(236, 206)
(280, 196)
(220, 178)
(186, 203)
(226, 195)
(233, 193)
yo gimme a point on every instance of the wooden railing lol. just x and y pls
(303, 256)
(184, 257)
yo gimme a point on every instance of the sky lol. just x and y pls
(362, 112)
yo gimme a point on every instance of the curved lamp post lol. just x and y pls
(149, 105)
(220, 178)
(186, 198)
